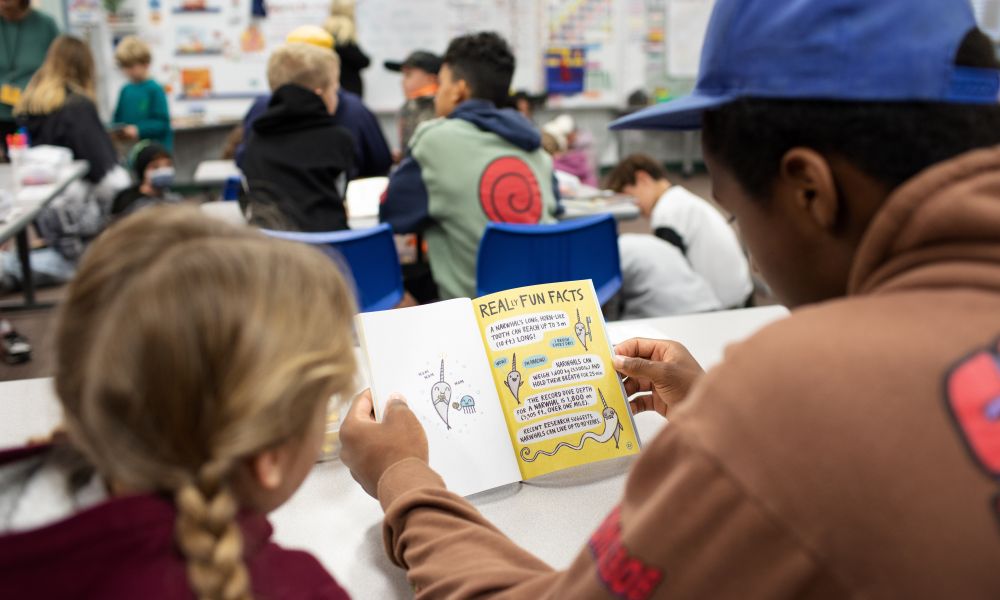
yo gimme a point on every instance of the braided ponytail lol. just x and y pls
(240, 342)
(209, 536)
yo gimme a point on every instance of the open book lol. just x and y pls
(508, 387)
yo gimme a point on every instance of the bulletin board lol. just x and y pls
(211, 55)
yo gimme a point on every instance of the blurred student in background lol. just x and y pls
(153, 169)
(58, 109)
(372, 157)
(26, 35)
(573, 149)
(420, 84)
(142, 111)
(298, 159)
(342, 26)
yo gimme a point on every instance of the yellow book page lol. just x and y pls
(551, 360)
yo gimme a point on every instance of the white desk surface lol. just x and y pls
(215, 172)
(621, 210)
(331, 517)
(31, 199)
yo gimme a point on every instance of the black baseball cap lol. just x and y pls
(420, 59)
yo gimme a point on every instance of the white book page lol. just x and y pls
(433, 355)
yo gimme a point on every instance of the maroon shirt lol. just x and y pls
(124, 548)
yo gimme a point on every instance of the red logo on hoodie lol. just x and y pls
(509, 193)
(626, 576)
(973, 389)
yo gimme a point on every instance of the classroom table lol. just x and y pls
(621, 208)
(28, 203)
(215, 173)
(331, 517)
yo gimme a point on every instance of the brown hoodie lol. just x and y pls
(851, 450)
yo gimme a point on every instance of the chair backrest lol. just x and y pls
(368, 257)
(516, 255)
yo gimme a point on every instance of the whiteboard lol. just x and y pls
(629, 44)
(687, 22)
(391, 29)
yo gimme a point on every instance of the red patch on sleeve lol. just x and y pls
(624, 575)
(973, 397)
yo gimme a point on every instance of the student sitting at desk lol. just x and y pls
(187, 421)
(153, 167)
(372, 157)
(691, 224)
(58, 109)
(297, 160)
(850, 450)
(478, 164)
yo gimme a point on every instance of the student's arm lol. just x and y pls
(377, 157)
(685, 528)
(84, 134)
(116, 118)
(406, 204)
(352, 55)
(157, 124)
(256, 110)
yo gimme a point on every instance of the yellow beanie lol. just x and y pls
(310, 34)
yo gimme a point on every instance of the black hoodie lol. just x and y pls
(298, 160)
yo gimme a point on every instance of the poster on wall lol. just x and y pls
(589, 27)
(565, 70)
(197, 6)
(199, 41)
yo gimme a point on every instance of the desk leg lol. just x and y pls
(27, 277)
(687, 167)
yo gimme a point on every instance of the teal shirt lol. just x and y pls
(23, 45)
(145, 106)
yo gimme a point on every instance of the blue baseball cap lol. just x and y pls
(850, 50)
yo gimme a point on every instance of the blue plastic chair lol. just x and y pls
(512, 256)
(368, 257)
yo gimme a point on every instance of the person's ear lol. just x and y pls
(267, 468)
(462, 91)
(807, 175)
(642, 178)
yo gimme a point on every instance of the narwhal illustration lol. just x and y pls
(612, 429)
(583, 332)
(441, 396)
(514, 380)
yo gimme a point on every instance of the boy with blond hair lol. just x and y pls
(142, 108)
(297, 159)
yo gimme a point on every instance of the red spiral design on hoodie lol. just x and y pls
(509, 192)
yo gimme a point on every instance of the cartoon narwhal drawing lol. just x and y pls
(441, 396)
(583, 332)
(612, 429)
(514, 380)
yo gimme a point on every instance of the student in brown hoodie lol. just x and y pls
(850, 450)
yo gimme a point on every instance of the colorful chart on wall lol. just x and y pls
(211, 55)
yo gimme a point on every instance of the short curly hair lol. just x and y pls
(485, 62)
(132, 51)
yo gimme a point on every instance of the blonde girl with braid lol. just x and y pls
(199, 399)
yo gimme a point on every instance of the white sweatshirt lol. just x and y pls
(702, 234)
